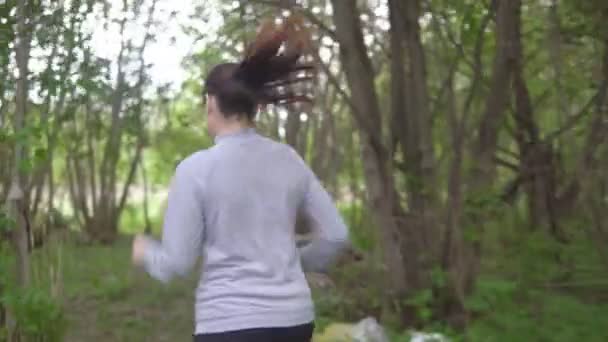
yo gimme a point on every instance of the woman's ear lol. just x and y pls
(212, 105)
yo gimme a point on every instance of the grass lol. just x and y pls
(105, 299)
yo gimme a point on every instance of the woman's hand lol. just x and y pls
(140, 244)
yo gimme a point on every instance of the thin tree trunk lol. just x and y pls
(412, 129)
(78, 212)
(59, 110)
(16, 197)
(40, 173)
(454, 306)
(130, 177)
(336, 158)
(137, 160)
(555, 49)
(590, 169)
(79, 187)
(5, 151)
(377, 168)
(90, 155)
(322, 144)
(104, 225)
(144, 177)
(292, 128)
(538, 165)
(354, 180)
(410, 102)
(452, 298)
(111, 153)
(483, 171)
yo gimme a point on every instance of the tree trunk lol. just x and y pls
(324, 140)
(452, 248)
(377, 167)
(109, 199)
(410, 104)
(412, 129)
(292, 128)
(555, 49)
(144, 177)
(103, 214)
(16, 196)
(483, 170)
(590, 171)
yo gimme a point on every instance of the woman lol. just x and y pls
(236, 204)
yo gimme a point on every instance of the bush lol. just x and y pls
(540, 316)
(38, 316)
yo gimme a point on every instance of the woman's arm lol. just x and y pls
(183, 231)
(329, 233)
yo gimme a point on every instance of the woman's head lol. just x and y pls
(235, 91)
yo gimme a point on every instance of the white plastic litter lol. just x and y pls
(368, 330)
(418, 336)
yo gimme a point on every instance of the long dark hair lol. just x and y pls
(269, 72)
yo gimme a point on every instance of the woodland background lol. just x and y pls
(465, 142)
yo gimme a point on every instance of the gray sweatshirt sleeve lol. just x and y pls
(183, 231)
(329, 233)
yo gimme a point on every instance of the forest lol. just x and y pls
(462, 140)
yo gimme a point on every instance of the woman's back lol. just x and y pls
(252, 188)
(236, 205)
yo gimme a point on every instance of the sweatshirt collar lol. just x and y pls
(237, 135)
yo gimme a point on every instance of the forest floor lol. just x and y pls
(105, 299)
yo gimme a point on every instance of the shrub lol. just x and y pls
(38, 316)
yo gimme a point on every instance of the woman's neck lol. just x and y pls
(233, 127)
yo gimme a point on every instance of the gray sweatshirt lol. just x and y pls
(235, 205)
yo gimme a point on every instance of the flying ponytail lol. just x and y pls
(269, 72)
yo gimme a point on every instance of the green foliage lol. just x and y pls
(179, 143)
(530, 315)
(422, 302)
(39, 317)
(107, 299)
(491, 294)
(537, 289)
(6, 222)
(361, 232)
(354, 296)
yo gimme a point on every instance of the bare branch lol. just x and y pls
(506, 164)
(334, 81)
(574, 119)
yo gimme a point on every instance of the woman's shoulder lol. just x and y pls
(195, 160)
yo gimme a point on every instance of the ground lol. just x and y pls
(105, 299)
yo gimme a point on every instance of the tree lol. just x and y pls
(16, 203)
(93, 178)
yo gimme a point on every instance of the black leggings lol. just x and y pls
(299, 333)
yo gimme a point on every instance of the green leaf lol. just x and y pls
(26, 165)
(438, 277)
(6, 222)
